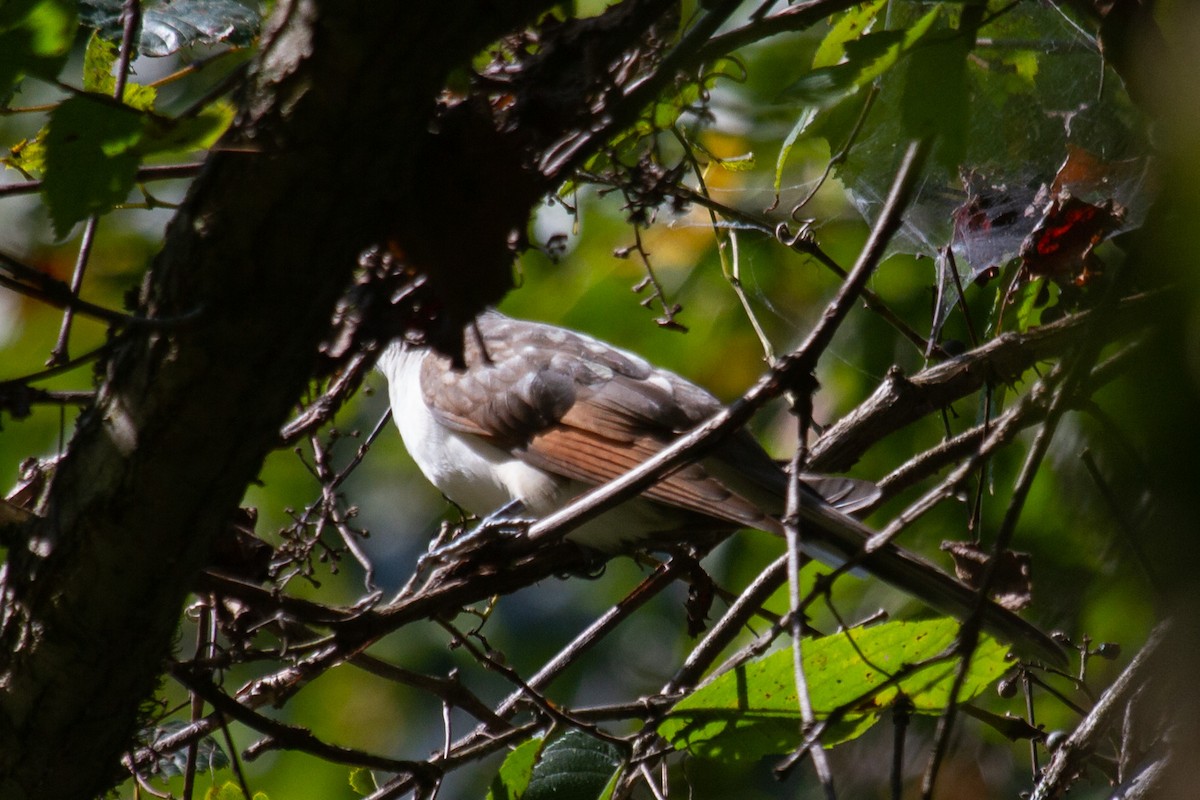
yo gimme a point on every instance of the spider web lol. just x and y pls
(1045, 116)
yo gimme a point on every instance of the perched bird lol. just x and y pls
(537, 414)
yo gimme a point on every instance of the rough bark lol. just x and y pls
(319, 164)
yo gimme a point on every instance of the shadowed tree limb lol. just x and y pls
(261, 249)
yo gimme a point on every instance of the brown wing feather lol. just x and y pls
(590, 458)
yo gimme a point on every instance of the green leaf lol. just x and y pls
(35, 38)
(789, 142)
(362, 781)
(753, 710)
(199, 132)
(168, 27)
(77, 138)
(98, 62)
(1031, 298)
(666, 113)
(28, 156)
(226, 791)
(935, 95)
(1014, 729)
(851, 25)
(743, 163)
(159, 134)
(513, 778)
(575, 766)
(867, 58)
(91, 158)
(230, 791)
(611, 787)
(1023, 65)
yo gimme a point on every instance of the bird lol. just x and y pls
(532, 415)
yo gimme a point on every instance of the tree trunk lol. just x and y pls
(317, 166)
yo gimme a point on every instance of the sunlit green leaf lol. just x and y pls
(28, 156)
(753, 710)
(1031, 298)
(230, 791)
(611, 787)
(198, 132)
(743, 163)
(867, 58)
(1023, 64)
(789, 142)
(362, 781)
(512, 779)
(851, 25)
(226, 791)
(666, 114)
(98, 62)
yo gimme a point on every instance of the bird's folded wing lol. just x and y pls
(593, 459)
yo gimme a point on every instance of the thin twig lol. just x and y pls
(197, 703)
(131, 23)
(528, 692)
(840, 156)
(235, 760)
(289, 736)
(724, 631)
(649, 588)
(558, 162)
(1124, 524)
(901, 716)
(40, 286)
(730, 265)
(901, 400)
(793, 531)
(161, 172)
(964, 444)
(1073, 373)
(803, 244)
(59, 354)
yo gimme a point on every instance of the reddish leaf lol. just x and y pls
(1061, 244)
